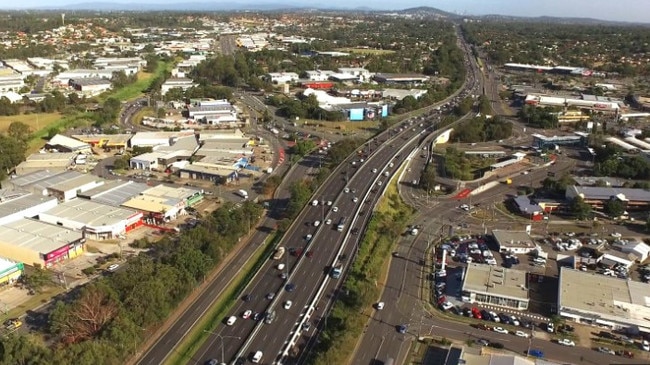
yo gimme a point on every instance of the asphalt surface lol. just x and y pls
(164, 345)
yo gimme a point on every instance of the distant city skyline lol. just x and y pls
(620, 10)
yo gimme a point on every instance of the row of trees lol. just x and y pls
(13, 145)
(303, 107)
(483, 129)
(458, 165)
(104, 322)
(611, 161)
(544, 117)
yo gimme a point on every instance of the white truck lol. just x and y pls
(242, 193)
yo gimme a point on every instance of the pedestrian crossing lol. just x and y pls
(515, 312)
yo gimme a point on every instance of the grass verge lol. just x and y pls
(344, 325)
(144, 81)
(193, 341)
(36, 122)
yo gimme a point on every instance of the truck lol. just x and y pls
(336, 271)
(242, 193)
(279, 252)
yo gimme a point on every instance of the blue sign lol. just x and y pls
(356, 114)
(384, 111)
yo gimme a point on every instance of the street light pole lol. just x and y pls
(221, 337)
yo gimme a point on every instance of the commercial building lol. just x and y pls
(10, 272)
(487, 284)
(633, 199)
(222, 112)
(182, 83)
(527, 208)
(541, 141)
(37, 243)
(114, 192)
(399, 94)
(598, 105)
(600, 300)
(106, 141)
(162, 203)
(146, 161)
(282, 77)
(16, 204)
(517, 242)
(385, 78)
(359, 72)
(13, 82)
(55, 162)
(64, 185)
(97, 221)
(90, 86)
(319, 75)
(516, 158)
(152, 139)
(62, 143)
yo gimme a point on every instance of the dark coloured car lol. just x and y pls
(290, 287)
(258, 316)
(401, 328)
(625, 353)
(496, 345)
(247, 298)
(536, 353)
(212, 362)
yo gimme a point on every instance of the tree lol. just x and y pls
(614, 207)
(428, 178)
(13, 153)
(19, 131)
(303, 147)
(579, 208)
(37, 278)
(85, 318)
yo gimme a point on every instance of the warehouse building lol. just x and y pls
(152, 139)
(146, 161)
(37, 243)
(487, 284)
(64, 186)
(106, 141)
(385, 78)
(542, 141)
(10, 272)
(114, 192)
(163, 203)
(600, 300)
(90, 86)
(15, 205)
(55, 162)
(182, 83)
(97, 221)
(517, 242)
(61, 143)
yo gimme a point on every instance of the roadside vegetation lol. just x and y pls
(104, 321)
(344, 325)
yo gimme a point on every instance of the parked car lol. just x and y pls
(500, 330)
(536, 353)
(566, 342)
(606, 350)
(522, 334)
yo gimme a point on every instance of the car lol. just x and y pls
(258, 316)
(309, 254)
(113, 267)
(328, 221)
(287, 304)
(374, 171)
(522, 334)
(283, 276)
(566, 342)
(231, 320)
(13, 323)
(329, 203)
(379, 306)
(308, 237)
(446, 306)
(257, 357)
(247, 298)
(247, 314)
(550, 328)
(483, 327)
(514, 321)
(483, 342)
(335, 209)
(625, 353)
(355, 199)
(306, 326)
(500, 330)
(290, 287)
(346, 190)
(212, 362)
(316, 223)
(314, 203)
(606, 350)
(645, 345)
(270, 296)
(280, 267)
(536, 353)
(401, 328)
(495, 317)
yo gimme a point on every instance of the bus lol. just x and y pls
(341, 225)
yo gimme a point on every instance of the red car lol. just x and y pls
(309, 254)
(476, 313)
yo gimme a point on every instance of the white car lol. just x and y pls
(495, 317)
(329, 202)
(328, 221)
(280, 266)
(514, 321)
(247, 314)
(566, 342)
(316, 223)
(645, 345)
(287, 304)
(346, 190)
(522, 334)
(374, 171)
(231, 320)
(446, 306)
(378, 183)
(500, 330)
(113, 267)
(355, 199)
(335, 209)
(308, 237)
(379, 306)
(314, 203)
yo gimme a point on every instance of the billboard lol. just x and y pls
(384, 111)
(356, 114)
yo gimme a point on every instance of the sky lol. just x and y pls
(618, 10)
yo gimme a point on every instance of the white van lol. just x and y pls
(257, 357)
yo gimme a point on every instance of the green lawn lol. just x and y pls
(139, 87)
